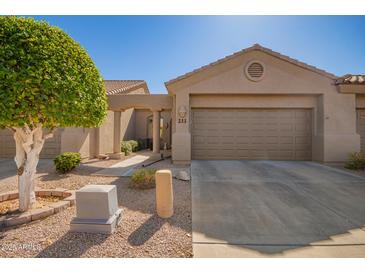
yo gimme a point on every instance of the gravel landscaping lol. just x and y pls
(141, 234)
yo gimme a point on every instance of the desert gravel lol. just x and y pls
(141, 233)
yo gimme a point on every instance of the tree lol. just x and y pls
(47, 80)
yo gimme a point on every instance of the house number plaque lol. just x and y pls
(182, 115)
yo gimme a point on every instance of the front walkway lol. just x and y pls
(141, 159)
(276, 209)
(125, 167)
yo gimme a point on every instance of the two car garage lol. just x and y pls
(260, 104)
(275, 134)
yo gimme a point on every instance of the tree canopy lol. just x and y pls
(46, 78)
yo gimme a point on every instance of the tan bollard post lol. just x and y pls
(164, 194)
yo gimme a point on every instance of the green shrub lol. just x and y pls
(67, 161)
(129, 146)
(141, 144)
(356, 161)
(143, 179)
(126, 148)
(134, 144)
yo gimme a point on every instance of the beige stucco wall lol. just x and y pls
(106, 134)
(334, 132)
(91, 142)
(128, 124)
(80, 140)
(52, 146)
(141, 124)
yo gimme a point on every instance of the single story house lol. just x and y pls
(253, 104)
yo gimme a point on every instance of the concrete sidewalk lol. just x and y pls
(123, 168)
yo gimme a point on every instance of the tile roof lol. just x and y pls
(349, 79)
(260, 48)
(123, 86)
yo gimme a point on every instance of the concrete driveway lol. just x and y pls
(276, 208)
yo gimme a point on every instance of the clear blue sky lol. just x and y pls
(160, 48)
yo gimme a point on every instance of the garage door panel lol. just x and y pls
(204, 126)
(240, 140)
(286, 126)
(302, 140)
(242, 153)
(301, 129)
(280, 154)
(272, 140)
(258, 154)
(286, 140)
(283, 134)
(302, 155)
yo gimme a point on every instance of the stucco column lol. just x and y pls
(116, 135)
(338, 135)
(181, 138)
(156, 131)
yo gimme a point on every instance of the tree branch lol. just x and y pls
(48, 135)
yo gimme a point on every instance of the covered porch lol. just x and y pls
(155, 103)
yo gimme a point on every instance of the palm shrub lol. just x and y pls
(67, 161)
(356, 161)
(143, 178)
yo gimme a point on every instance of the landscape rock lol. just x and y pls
(182, 175)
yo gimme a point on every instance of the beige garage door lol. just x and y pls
(361, 127)
(276, 134)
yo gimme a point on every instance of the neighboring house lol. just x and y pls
(253, 104)
(90, 142)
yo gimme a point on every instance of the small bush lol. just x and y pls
(143, 179)
(126, 148)
(134, 144)
(67, 161)
(129, 146)
(356, 161)
(142, 144)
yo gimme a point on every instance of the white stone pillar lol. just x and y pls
(116, 135)
(156, 131)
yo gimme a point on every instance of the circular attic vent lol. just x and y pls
(255, 70)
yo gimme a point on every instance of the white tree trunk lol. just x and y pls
(29, 143)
